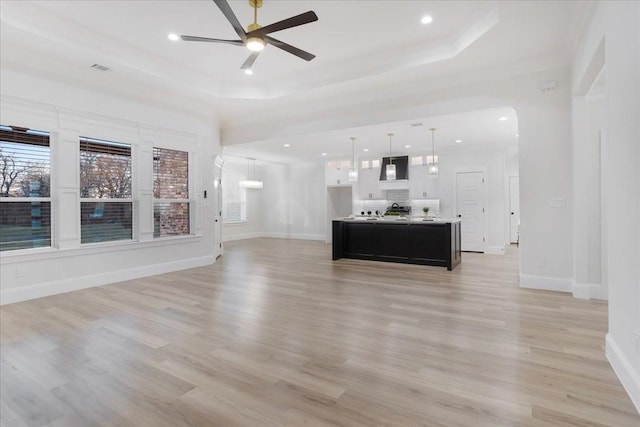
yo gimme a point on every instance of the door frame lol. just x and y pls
(509, 204)
(218, 165)
(485, 200)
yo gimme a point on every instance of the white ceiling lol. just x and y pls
(481, 129)
(364, 47)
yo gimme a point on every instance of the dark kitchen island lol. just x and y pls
(410, 241)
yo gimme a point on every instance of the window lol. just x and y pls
(170, 192)
(430, 159)
(375, 163)
(106, 205)
(417, 161)
(234, 197)
(25, 199)
(365, 164)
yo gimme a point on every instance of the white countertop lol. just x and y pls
(396, 219)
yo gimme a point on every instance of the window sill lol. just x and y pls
(88, 249)
(235, 223)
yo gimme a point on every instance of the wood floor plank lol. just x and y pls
(278, 334)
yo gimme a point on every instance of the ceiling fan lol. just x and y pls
(256, 36)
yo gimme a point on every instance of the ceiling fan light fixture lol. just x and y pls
(255, 44)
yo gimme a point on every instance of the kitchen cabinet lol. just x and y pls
(337, 173)
(427, 243)
(369, 184)
(422, 185)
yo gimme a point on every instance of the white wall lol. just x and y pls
(544, 122)
(491, 161)
(587, 240)
(236, 168)
(618, 24)
(296, 200)
(67, 112)
(291, 204)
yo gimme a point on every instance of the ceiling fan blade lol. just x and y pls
(294, 21)
(231, 17)
(206, 39)
(291, 49)
(250, 60)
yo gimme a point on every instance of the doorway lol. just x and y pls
(470, 201)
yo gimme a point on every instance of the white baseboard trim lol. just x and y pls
(274, 236)
(494, 250)
(295, 236)
(242, 236)
(623, 368)
(588, 291)
(546, 283)
(24, 293)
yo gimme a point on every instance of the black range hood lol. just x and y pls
(402, 167)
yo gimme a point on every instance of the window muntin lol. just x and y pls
(25, 189)
(106, 205)
(171, 205)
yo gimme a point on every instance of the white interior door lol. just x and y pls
(470, 207)
(514, 207)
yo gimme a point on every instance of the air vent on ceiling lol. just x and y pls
(415, 125)
(100, 67)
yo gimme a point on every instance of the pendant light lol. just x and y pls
(391, 168)
(353, 172)
(251, 183)
(433, 165)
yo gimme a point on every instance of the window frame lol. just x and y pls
(130, 200)
(15, 139)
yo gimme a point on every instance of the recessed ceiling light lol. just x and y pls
(502, 119)
(427, 19)
(458, 141)
(365, 149)
(287, 145)
(323, 154)
(517, 135)
(173, 37)
(407, 146)
(248, 72)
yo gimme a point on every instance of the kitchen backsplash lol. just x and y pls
(381, 205)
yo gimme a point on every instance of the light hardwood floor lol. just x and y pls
(277, 334)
